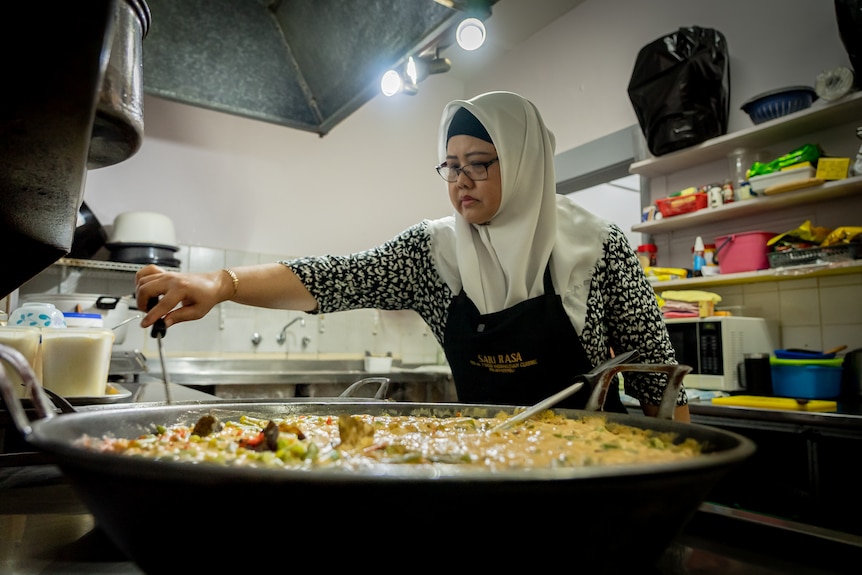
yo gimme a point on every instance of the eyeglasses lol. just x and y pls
(477, 171)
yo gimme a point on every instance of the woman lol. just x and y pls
(522, 288)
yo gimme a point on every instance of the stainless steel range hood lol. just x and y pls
(304, 64)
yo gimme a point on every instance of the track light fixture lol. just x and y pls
(405, 80)
(469, 34)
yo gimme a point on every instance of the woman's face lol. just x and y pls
(477, 202)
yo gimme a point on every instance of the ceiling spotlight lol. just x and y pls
(393, 82)
(414, 71)
(470, 33)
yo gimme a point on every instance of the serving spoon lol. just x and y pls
(591, 377)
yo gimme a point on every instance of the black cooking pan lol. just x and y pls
(168, 517)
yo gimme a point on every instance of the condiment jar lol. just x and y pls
(709, 254)
(647, 255)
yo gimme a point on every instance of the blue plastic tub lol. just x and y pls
(806, 379)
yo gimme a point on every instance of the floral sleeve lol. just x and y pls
(623, 314)
(396, 275)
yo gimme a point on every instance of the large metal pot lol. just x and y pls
(118, 128)
(169, 517)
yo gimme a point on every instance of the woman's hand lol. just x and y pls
(182, 296)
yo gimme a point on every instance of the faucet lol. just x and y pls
(282, 337)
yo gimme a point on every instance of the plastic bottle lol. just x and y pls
(699, 261)
(857, 165)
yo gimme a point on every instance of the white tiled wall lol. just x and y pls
(229, 328)
(813, 313)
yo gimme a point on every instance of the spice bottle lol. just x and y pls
(647, 255)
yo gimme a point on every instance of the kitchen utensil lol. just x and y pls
(127, 320)
(40, 314)
(143, 229)
(144, 254)
(587, 378)
(158, 331)
(52, 129)
(118, 128)
(633, 512)
(776, 103)
(792, 186)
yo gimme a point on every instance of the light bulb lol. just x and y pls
(391, 83)
(470, 33)
(412, 71)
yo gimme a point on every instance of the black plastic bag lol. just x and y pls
(680, 89)
(848, 13)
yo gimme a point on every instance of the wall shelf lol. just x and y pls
(820, 116)
(828, 191)
(104, 265)
(769, 275)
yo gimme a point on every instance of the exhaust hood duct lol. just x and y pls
(304, 64)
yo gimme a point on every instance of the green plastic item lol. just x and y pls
(807, 153)
(837, 362)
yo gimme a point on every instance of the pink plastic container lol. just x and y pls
(743, 252)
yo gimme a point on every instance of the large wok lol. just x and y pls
(168, 517)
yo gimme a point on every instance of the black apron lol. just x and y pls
(518, 356)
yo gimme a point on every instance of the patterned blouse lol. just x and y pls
(400, 275)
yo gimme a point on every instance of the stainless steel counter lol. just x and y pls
(846, 418)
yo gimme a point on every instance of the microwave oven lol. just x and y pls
(715, 347)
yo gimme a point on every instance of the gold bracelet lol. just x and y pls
(234, 279)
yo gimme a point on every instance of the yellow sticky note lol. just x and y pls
(832, 168)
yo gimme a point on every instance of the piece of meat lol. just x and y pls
(206, 425)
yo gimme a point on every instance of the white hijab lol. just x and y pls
(502, 263)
